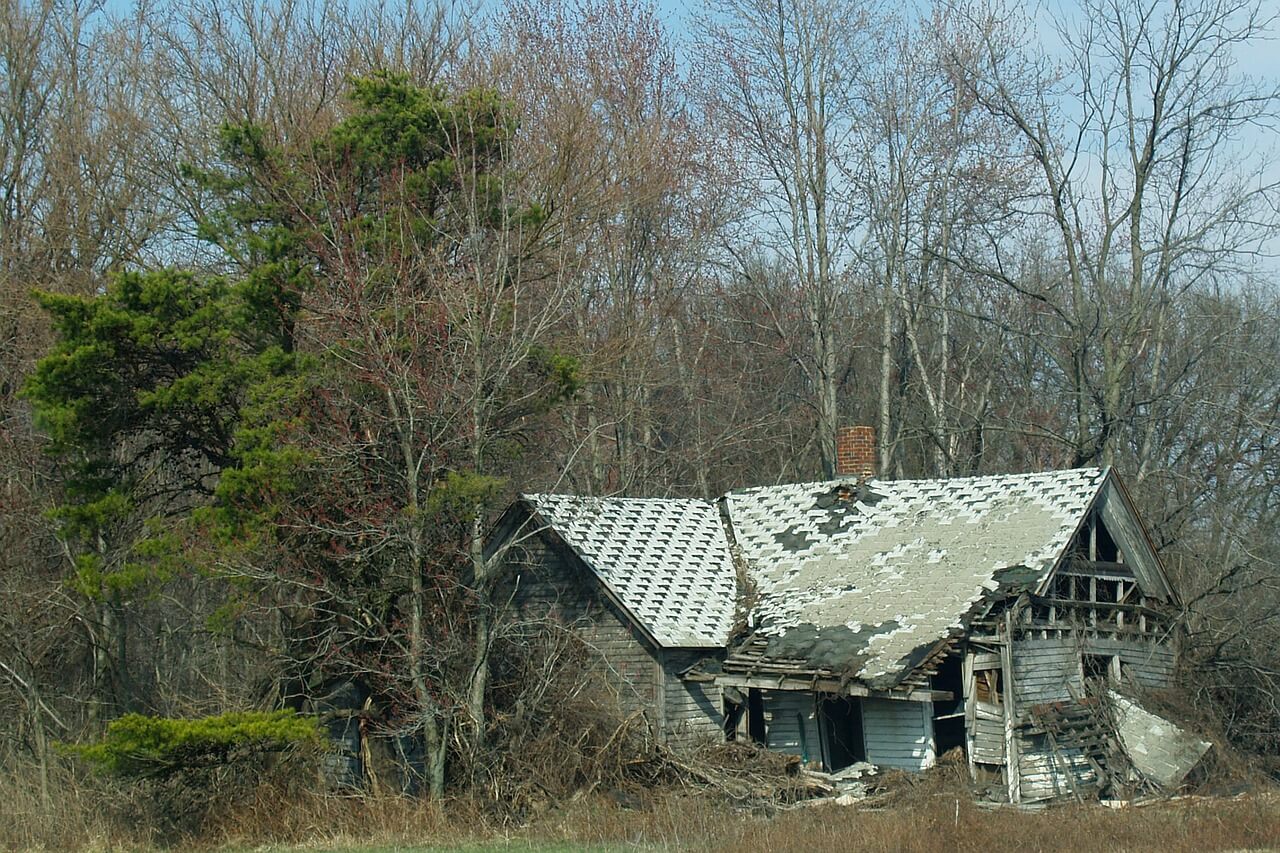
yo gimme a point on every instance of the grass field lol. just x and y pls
(931, 813)
(940, 823)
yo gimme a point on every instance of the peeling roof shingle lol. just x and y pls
(891, 567)
(667, 561)
(900, 567)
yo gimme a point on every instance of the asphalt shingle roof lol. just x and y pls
(667, 561)
(902, 566)
(872, 575)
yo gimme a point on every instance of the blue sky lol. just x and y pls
(1260, 59)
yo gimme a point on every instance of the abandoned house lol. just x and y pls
(866, 620)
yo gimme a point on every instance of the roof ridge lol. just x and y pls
(1091, 470)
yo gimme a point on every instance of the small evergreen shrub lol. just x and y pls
(138, 746)
(177, 774)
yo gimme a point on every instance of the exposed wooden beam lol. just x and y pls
(825, 685)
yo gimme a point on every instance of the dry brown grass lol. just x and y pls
(76, 817)
(929, 813)
(921, 814)
(690, 821)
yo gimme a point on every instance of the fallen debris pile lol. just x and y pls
(846, 786)
(1107, 746)
(1160, 751)
(1104, 747)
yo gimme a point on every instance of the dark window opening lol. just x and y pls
(1107, 591)
(841, 726)
(1097, 667)
(949, 677)
(1107, 550)
(1094, 542)
(755, 717)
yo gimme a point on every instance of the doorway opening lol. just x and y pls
(948, 715)
(744, 716)
(841, 725)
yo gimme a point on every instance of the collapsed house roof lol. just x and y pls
(852, 579)
(864, 578)
(665, 561)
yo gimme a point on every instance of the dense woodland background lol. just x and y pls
(295, 296)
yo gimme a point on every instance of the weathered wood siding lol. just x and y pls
(790, 723)
(1045, 671)
(1041, 776)
(898, 733)
(1146, 662)
(1125, 528)
(550, 584)
(694, 710)
(988, 733)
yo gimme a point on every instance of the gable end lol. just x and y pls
(1119, 523)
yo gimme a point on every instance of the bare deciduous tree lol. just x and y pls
(783, 75)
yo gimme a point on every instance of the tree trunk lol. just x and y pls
(428, 708)
(478, 688)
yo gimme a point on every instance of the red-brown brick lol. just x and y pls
(856, 451)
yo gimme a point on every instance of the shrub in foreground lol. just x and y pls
(182, 770)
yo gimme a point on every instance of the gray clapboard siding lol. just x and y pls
(1042, 776)
(898, 733)
(1045, 670)
(694, 710)
(988, 733)
(790, 724)
(1150, 664)
(625, 666)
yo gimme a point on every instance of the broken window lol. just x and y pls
(1094, 543)
(988, 686)
(1100, 668)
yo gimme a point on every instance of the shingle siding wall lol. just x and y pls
(548, 585)
(898, 733)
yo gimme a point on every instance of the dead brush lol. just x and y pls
(83, 812)
(745, 775)
(949, 777)
(585, 745)
(1225, 769)
(558, 737)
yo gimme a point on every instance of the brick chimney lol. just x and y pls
(856, 451)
